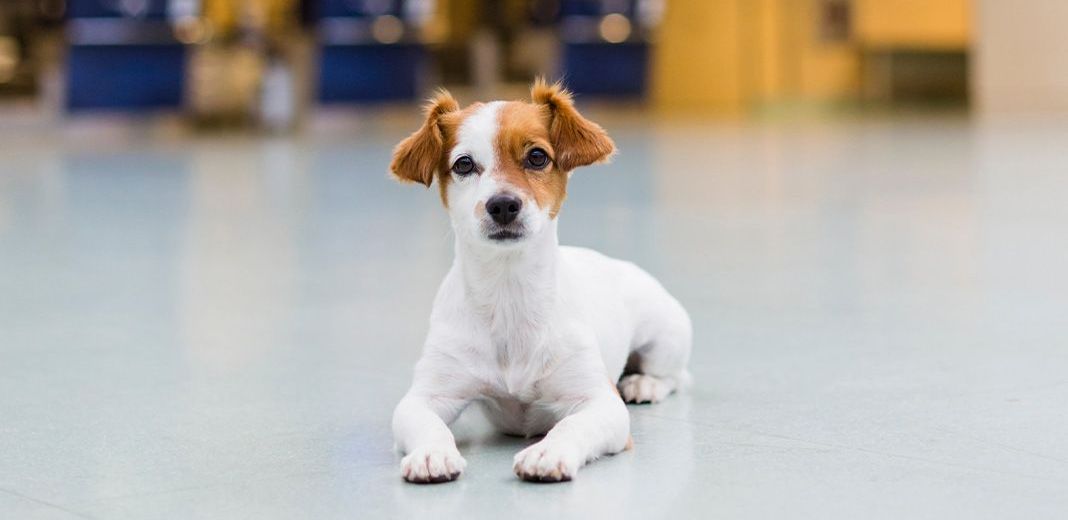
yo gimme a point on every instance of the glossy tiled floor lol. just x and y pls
(218, 327)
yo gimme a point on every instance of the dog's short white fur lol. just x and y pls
(535, 333)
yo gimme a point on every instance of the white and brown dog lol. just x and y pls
(545, 338)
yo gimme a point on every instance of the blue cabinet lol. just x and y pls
(606, 69)
(369, 73)
(122, 55)
(140, 9)
(368, 51)
(605, 49)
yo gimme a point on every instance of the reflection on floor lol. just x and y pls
(206, 327)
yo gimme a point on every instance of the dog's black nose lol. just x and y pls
(504, 208)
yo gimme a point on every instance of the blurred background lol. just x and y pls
(273, 62)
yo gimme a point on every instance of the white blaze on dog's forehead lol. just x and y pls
(477, 134)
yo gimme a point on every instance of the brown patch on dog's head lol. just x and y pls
(552, 124)
(418, 157)
(422, 155)
(577, 140)
(522, 128)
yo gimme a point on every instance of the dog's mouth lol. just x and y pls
(504, 235)
(511, 232)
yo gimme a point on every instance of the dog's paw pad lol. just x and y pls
(547, 462)
(432, 465)
(641, 388)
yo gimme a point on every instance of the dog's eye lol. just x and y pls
(463, 166)
(536, 159)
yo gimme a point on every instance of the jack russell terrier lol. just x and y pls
(547, 339)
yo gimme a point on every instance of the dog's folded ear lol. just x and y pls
(576, 140)
(419, 156)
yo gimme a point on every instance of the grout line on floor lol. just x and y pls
(45, 503)
(867, 450)
(1004, 446)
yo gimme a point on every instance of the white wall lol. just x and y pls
(1021, 55)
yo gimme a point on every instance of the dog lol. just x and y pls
(546, 339)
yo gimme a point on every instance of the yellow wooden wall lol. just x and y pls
(810, 68)
(697, 61)
(918, 24)
(732, 55)
(270, 15)
(728, 55)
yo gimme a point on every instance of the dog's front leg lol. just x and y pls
(420, 428)
(599, 425)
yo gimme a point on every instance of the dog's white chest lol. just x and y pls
(519, 383)
(522, 412)
(513, 398)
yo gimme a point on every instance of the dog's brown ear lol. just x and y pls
(419, 156)
(576, 140)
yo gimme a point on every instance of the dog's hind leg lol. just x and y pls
(657, 365)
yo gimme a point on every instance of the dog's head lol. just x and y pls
(502, 167)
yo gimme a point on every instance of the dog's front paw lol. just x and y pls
(547, 461)
(432, 464)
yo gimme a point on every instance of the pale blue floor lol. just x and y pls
(219, 327)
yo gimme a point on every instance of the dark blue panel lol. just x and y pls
(126, 77)
(596, 8)
(154, 9)
(606, 69)
(359, 8)
(362, 73)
